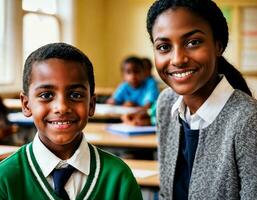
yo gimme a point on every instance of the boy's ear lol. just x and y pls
(92, 106)
(25, 104)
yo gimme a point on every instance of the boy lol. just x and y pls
(134, 91)
(58, 91)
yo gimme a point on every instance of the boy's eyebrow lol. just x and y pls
(45, 86)
(183, 36)
(74, 86)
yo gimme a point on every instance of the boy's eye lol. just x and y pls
(193, 43)
(75, 95)
(46, 95)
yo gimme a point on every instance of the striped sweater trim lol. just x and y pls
(89, 186)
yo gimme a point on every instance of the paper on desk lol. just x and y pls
(103, 109)
(126, 129)
(142, 173)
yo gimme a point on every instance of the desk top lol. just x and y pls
(145, 167)
(97, 134)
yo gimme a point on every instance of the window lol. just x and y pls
(40, 24)
(2, 43)
(26, 25)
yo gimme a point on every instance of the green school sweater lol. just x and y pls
(110, 178)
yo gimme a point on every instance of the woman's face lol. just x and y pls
(185, 52)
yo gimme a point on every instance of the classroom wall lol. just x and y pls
(88, 34)
(109, 30)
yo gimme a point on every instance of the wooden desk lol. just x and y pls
(97, 134)
(152, 165)
(6, 151)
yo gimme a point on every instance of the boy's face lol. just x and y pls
(59, 101)
(133, 74)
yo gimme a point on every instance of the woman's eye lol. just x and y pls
(163, 47)
(194, 43)
(46, 95)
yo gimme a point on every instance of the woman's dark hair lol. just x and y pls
(211, 13)
(62, 51)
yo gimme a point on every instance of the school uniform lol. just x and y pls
(221, 164)
(146, 93)
(27, 174)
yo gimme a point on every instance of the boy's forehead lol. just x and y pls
(54, 69)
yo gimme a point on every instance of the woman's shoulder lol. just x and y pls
(167, 96)
(242, 102)
(240, 109)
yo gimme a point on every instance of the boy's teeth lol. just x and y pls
(181, 75)
(61, 123)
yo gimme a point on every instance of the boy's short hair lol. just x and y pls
(133, 60)
(61, 51)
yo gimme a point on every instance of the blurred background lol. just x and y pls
(106, 31)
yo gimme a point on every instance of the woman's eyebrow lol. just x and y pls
(193, 32)
(165, 39)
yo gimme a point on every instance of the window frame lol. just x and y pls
(14, 38)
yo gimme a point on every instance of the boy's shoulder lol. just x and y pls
(11, 165)
(110, 161)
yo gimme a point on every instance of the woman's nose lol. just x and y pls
(179, 57)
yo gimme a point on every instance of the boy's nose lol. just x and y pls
(61, 106)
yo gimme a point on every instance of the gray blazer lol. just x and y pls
(225, 165)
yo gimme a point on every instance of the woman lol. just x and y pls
(207, 128)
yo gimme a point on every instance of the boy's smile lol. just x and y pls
(59, 101)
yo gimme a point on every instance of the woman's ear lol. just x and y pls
(219, 48)
(92, 105)
(25, 104)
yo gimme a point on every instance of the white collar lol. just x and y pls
(48, 161)
(210, 109)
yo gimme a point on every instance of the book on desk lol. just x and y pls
(129, 130)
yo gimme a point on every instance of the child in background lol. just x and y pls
(207, 127)
(134, 91)
(6, 129)
(58, 91)
(142, 117)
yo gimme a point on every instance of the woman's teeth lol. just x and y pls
(181, 75)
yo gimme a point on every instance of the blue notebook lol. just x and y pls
(124, 129)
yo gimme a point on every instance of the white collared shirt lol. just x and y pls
(79, 160)
(209, 110)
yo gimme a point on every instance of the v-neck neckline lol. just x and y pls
(49, 191)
